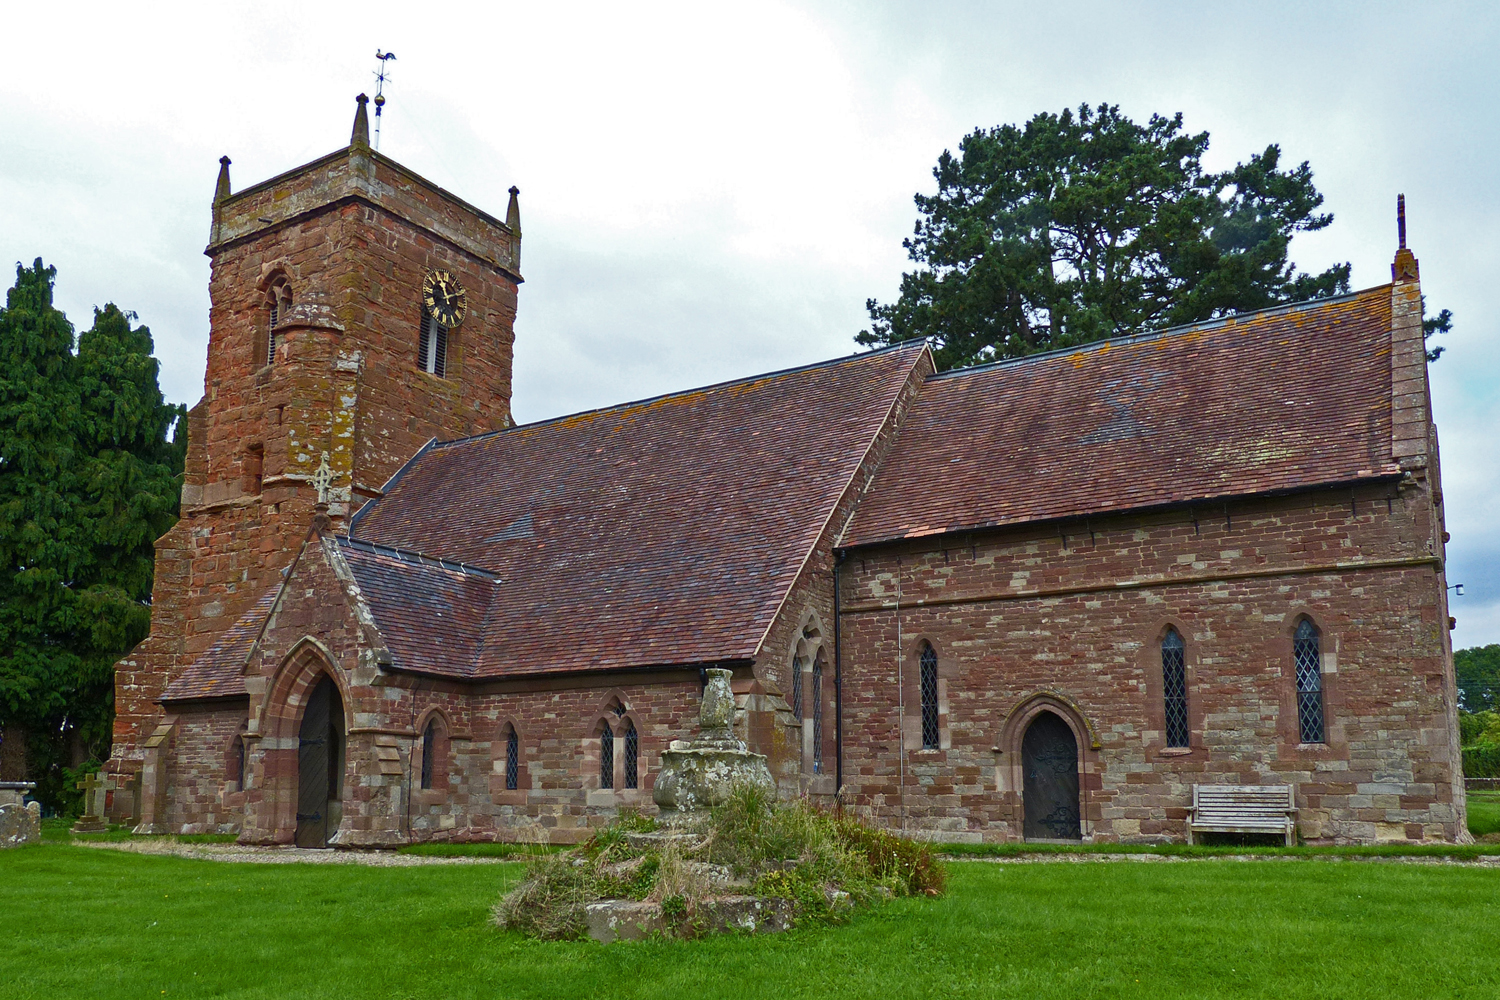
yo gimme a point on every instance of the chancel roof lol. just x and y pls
(1278, 400)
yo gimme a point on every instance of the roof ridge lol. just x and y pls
(1147, 336)
(416, 558)
(830, 362)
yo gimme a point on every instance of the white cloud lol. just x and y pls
(710, 190)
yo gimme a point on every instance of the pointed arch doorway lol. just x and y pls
(320, 765)
(1049, 768)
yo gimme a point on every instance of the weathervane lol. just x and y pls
(381, 75)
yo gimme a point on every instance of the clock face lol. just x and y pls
(444, 298)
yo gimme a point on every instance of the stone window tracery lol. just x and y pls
(1307, 654)
(1174, 688)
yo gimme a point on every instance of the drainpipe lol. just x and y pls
(839, 555)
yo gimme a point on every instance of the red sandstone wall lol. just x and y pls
(356, 393)
(559, 798)
(198, 797)
(1387, 771)
(766, 722)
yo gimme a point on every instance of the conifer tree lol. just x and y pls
(1081, 226)
(88, 481)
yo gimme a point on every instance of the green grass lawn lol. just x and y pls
(81, 922)
(1484, 813)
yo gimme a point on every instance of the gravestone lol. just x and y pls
(698, 774)
(20, 821)
(92, 821)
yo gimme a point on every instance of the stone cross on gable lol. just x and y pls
(322, 479)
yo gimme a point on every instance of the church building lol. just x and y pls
(1047, 598)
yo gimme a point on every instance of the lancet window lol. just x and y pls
(278, 301)
(432, 346)
(512, 758)
(929, 684)
(606, 757)
(817, 715)
(429, 752)
(1307, 652)
(632, 756)
(1174, 688)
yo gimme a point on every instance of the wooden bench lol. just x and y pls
(1243, 809)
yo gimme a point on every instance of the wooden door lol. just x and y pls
(1049, 761)
(319, 764)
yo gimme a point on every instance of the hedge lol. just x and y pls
(1482, 760)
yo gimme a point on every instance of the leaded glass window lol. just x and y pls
(797, 688)
(632, 756)
(607, 757)
(1174, 688)
(512, 759)
(817, 715)
(1307, 653)
(929, 697)
(429, 750)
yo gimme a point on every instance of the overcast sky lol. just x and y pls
(710, 190)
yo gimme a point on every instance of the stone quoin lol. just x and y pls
(1040, 598)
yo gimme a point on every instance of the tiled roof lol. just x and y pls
(431, 614)
(661, 532)
(219, 672)
(1277, 400)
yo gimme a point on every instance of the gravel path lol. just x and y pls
(1487, 861)
(247, 853)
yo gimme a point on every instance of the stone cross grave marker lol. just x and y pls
(92, 821)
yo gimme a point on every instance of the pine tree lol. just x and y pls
(1083, 226)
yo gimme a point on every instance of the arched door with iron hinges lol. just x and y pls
(1049, 762)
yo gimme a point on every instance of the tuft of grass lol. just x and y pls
(825, 864)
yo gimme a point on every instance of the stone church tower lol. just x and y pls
(326, 372)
